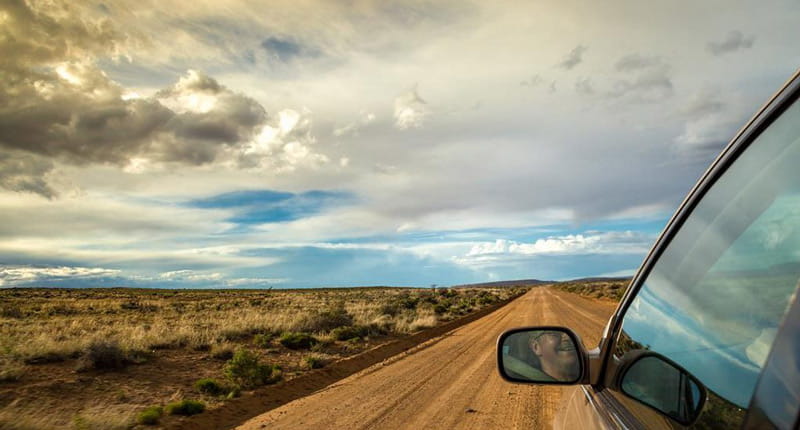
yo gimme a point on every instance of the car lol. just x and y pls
(707, 334)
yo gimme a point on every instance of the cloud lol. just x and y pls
(584, 86)
(27, 275)
(23, 172)
(354, 128)
(626, 242)
(574, 58)
(711, 121)
(410, 110)
(184, 275)
(645, 80)
(58, 106)
(534, 80)
(734, 41)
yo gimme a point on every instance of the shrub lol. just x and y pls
(245, 369)
(325, 320)
(390, 309)
(263, 340)
(441, 309)
(209, 386)
(150, 415)
(185, 407)
(350, 332)
(297, 340)
(313, 362)
(103, 355)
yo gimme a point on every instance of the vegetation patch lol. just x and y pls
(107, 355)
(263, 340)
(222, 351)
(350, 332)
(313, 362)
(150, 416)
(325, 320)
(245, 369)
(210, 387)
(611, 289)
(185, 407)
(293, 340)
(10, 371)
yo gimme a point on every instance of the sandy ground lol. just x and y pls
(449, 382)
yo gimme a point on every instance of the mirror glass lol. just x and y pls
(544, 356)
(661, 385)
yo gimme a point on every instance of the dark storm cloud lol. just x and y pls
(31, 37)
(734, 41)
(24, 172)
(574, 58)
(57, 105)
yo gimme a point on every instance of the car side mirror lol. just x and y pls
(542, 355)
(659, 383)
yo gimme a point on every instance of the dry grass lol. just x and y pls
(601, 289)
(99, 332)
(52, 325)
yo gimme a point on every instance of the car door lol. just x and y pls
(717, 296)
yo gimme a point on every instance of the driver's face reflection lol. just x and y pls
(557, 355)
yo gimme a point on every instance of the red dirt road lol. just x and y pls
(449, 382)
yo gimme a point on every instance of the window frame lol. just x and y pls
(763, 118)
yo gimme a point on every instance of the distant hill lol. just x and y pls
(600, 279)
(506, 283)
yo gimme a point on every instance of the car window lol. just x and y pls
(715, 298)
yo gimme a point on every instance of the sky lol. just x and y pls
(232, 144)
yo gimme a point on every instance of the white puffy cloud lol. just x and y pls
(410, 110)
(626, 242)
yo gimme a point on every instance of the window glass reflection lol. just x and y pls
(716, 296)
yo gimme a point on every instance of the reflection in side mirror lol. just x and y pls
(661, 384)
(543, 355)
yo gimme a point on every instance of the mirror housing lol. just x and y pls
(547, 355)
(662, 385)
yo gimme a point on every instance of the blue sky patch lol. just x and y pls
(269, 206)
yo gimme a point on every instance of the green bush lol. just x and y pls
(185, 407)
(246, 370)
(350, 332)
(313, 362)
(297, 340)
(441, 309)
(150, 415)
(263, 340)
(209, 386)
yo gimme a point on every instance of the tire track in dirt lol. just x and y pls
(451, 383)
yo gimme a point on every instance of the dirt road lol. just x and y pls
(449, 382)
